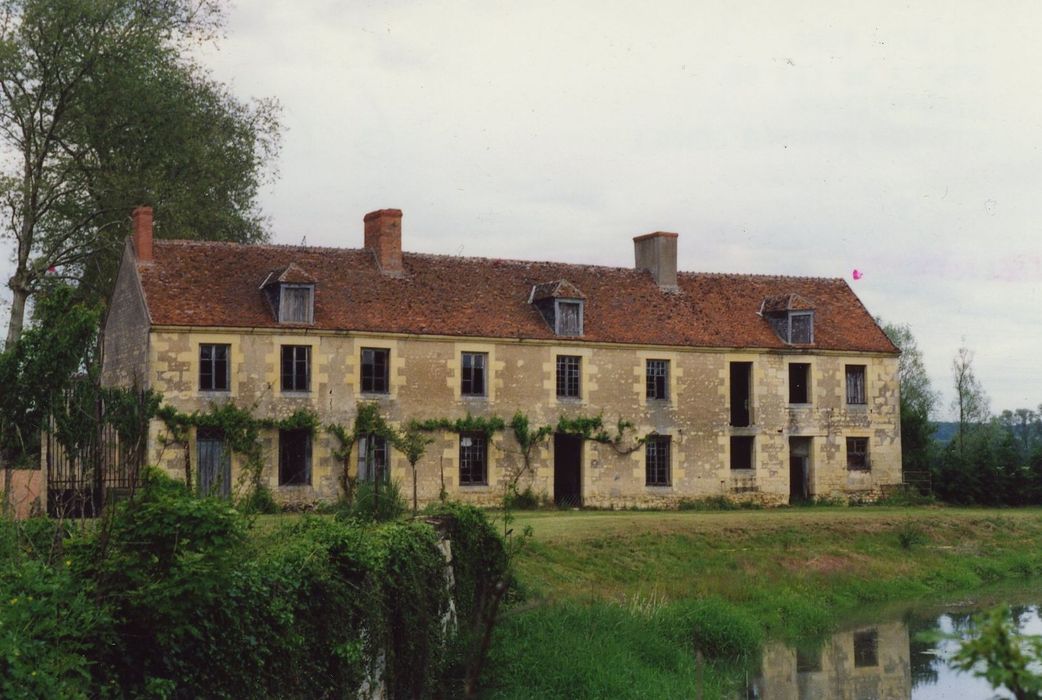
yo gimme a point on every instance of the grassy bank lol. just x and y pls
(607, 609)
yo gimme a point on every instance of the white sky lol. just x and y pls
(802, 138)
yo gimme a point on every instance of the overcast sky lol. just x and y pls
(800, 138)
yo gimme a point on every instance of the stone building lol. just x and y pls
(744, 386)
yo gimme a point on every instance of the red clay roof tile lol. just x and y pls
(195, 283)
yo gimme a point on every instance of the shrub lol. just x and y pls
(374, 502)
(259, 500)
(909, 533)
(521, 500)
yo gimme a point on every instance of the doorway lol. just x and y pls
(799, 469)
(215, 465)
(568, 457)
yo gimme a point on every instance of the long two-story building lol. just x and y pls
(754, 387)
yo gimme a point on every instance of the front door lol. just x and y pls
(215, 466)
(568, 457)
(799, 469)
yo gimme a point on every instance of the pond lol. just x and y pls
(884, 658)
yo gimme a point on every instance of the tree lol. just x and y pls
(971, 403)
(39, 369)
(412, 443)
(102, 111)
(917, 399)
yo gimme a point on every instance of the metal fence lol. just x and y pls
(89, 467)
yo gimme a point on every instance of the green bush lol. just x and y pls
(258, 500)
(522, 500)
(374, 502)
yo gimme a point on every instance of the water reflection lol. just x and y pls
(887, 660)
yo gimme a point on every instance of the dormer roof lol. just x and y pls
(559, 289)
(786, 302)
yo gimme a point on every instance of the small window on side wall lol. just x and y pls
(857, 454)
(856, 385)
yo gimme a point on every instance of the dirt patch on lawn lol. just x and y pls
(821, 564)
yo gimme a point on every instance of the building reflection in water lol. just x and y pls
(866, 663)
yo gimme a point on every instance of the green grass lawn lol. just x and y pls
(609, 582)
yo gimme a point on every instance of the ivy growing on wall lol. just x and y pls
(592, 428)
(468, 424)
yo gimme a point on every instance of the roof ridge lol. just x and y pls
(500, 261)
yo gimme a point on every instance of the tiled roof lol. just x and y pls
(561, 289)
(216, 284)
(294, 275)
(787, 302)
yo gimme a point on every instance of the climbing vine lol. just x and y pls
(592, 428)
(241, 431)
(468, 424)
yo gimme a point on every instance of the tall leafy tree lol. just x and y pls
(101, 109)
(917, 399)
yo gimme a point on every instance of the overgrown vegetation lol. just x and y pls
(170, 596)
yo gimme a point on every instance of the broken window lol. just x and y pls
(372, 458)
(741, 399)
(568, 374)
(473, 466)
(294, 457)
(295, 304)
(857, 453)
(856, 384)
(866, 648)
(801, 327)
(657, 372)
(213, 367)
(296, 367)
(656, 460)
(375, 370)
(569, 316)
(799, 382)
(473, 373)
(742, 452)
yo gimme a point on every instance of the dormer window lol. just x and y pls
(792, 318)
(291, 293)
(296, 303)
(561, 305)
(568, 317)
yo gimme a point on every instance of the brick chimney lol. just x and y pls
(383, 236)
(142, 232)
(657, 253)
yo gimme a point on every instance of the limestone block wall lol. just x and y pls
(425, 383)
(125, 339)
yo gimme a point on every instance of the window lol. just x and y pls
(472, 459)
(213, 368)
(856, 384)
(656, 461)
(857, 453)
(741, 385)
(866, 648)
(657, 379)
(295, 304)
(569, 317)
(799, 382)
(473, 381)
(372, 465)
(568, 372)
(375, 366)
(801, 327)
(742, 452)
(296, 367)
(294, 457)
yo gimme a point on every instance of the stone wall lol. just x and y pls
(425, 383)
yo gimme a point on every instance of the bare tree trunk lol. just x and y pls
(17, 322)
